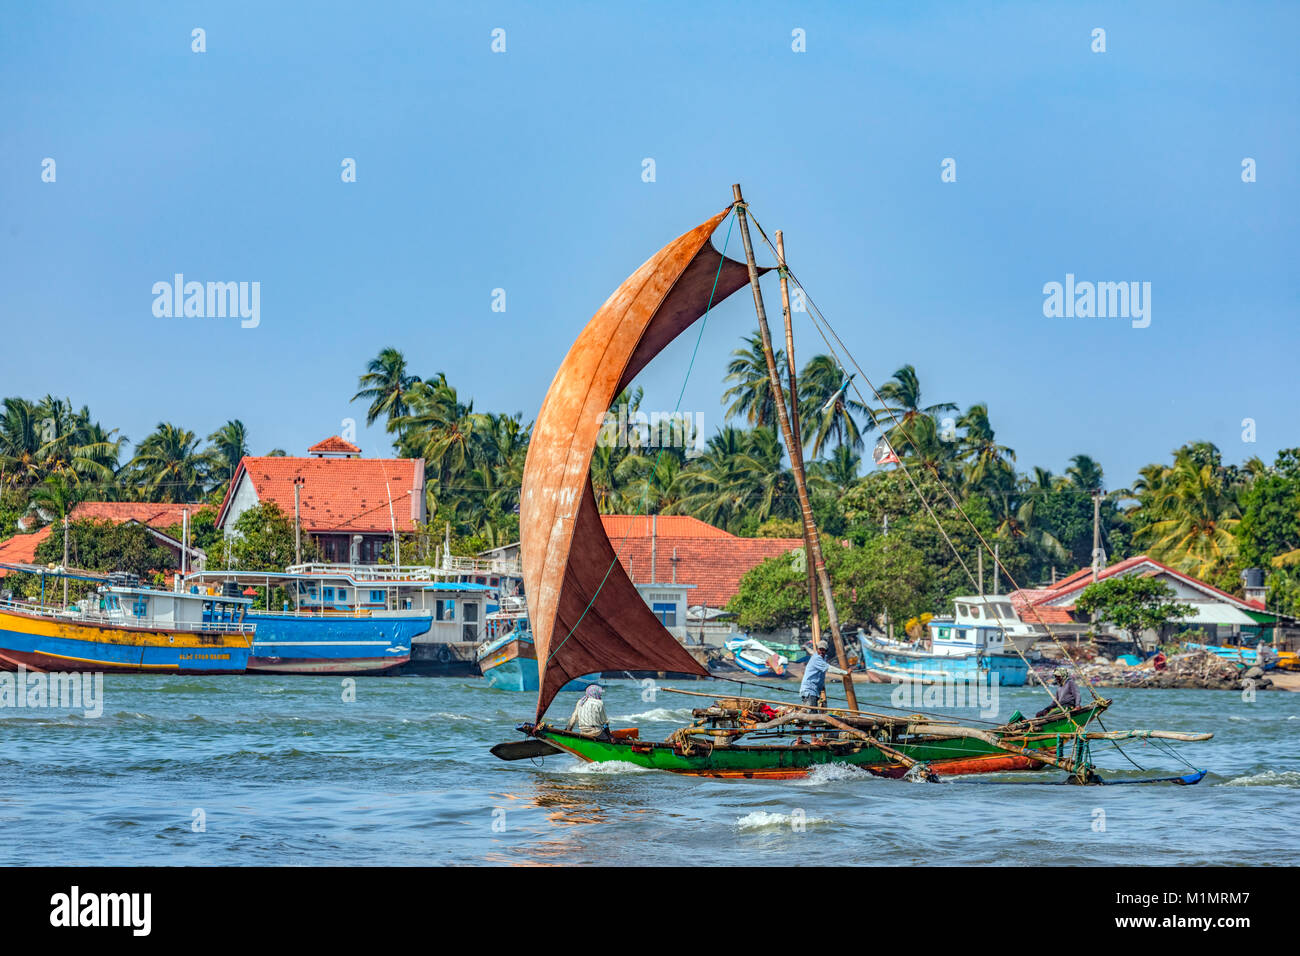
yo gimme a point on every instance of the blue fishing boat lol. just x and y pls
(984, 641)
(127, 628)
(1249, 656)
(508, 659)
(355, 619)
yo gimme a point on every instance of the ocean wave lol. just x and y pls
(677, 715)
(765, 820)
(832, 773)
(1268, 778)
(608, 766)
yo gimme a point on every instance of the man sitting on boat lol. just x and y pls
(589, 714)
(813, 685)
(1067, 694)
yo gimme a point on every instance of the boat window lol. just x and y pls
(444, 610)
(471, 612)
(327, 594)
(343, 594)
(376, 597)
(963, 610)
(667, 613)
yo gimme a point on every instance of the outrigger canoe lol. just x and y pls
(944, 753)
(587, 616)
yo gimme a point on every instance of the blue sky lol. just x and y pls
(522, 171)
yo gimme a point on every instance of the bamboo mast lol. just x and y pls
(778, 397)
(814, 601)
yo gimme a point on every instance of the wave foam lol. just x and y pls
(662, 715)
(764, 820)
(1269, 778)
(608, 766)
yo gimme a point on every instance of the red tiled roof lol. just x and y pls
(334, 445)
(664, 526)
(1025, 598)
(1076, 582)
(21, 548)
(157, 516)
(714, 565)
(338, 494)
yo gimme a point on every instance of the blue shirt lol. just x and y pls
(814, 676)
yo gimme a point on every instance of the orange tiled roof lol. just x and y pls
(665, 526)
(334, 445)
(155, 515)
(338, 494)
(714, 565)
(21, 548)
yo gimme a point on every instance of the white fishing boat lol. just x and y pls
(757, 658)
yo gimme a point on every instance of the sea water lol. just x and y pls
(316, 770)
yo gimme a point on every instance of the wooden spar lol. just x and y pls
(993, 740)
(795, 426)
(1127, 735)
(891, 718)
(801, 485)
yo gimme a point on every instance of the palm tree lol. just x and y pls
(840, 471)
(902, 397)
(821, 381)
(385, 384)
(1085, 474)
(230, 445)
(168, 465)
(1197, 515)
(750, 394)
(986, 461)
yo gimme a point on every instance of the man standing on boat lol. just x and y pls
(589, 714)
(1067, 696)
(813, 686)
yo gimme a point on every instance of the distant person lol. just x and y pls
(1067, 694)
(1159, 661)
(814, 676)
(589, 714)
(1261, 655)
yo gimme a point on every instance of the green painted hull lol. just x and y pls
(947, 756)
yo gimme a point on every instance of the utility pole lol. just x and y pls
(796, 428)
(997, 563)
(783, 418)
(65, 559)
(1096, 533)
(297, 519)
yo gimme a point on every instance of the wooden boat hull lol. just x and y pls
(950, 756)
(513, 666)
(333, 643)
(43, 644)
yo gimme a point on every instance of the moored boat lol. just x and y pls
(125, 628)
(508, 658)
(352, 619)
(756, 657)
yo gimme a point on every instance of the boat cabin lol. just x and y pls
(172, 610)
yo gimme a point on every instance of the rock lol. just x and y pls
(1253, 673)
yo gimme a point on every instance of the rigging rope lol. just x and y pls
(816, 314)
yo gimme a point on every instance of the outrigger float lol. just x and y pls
(588, 617)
